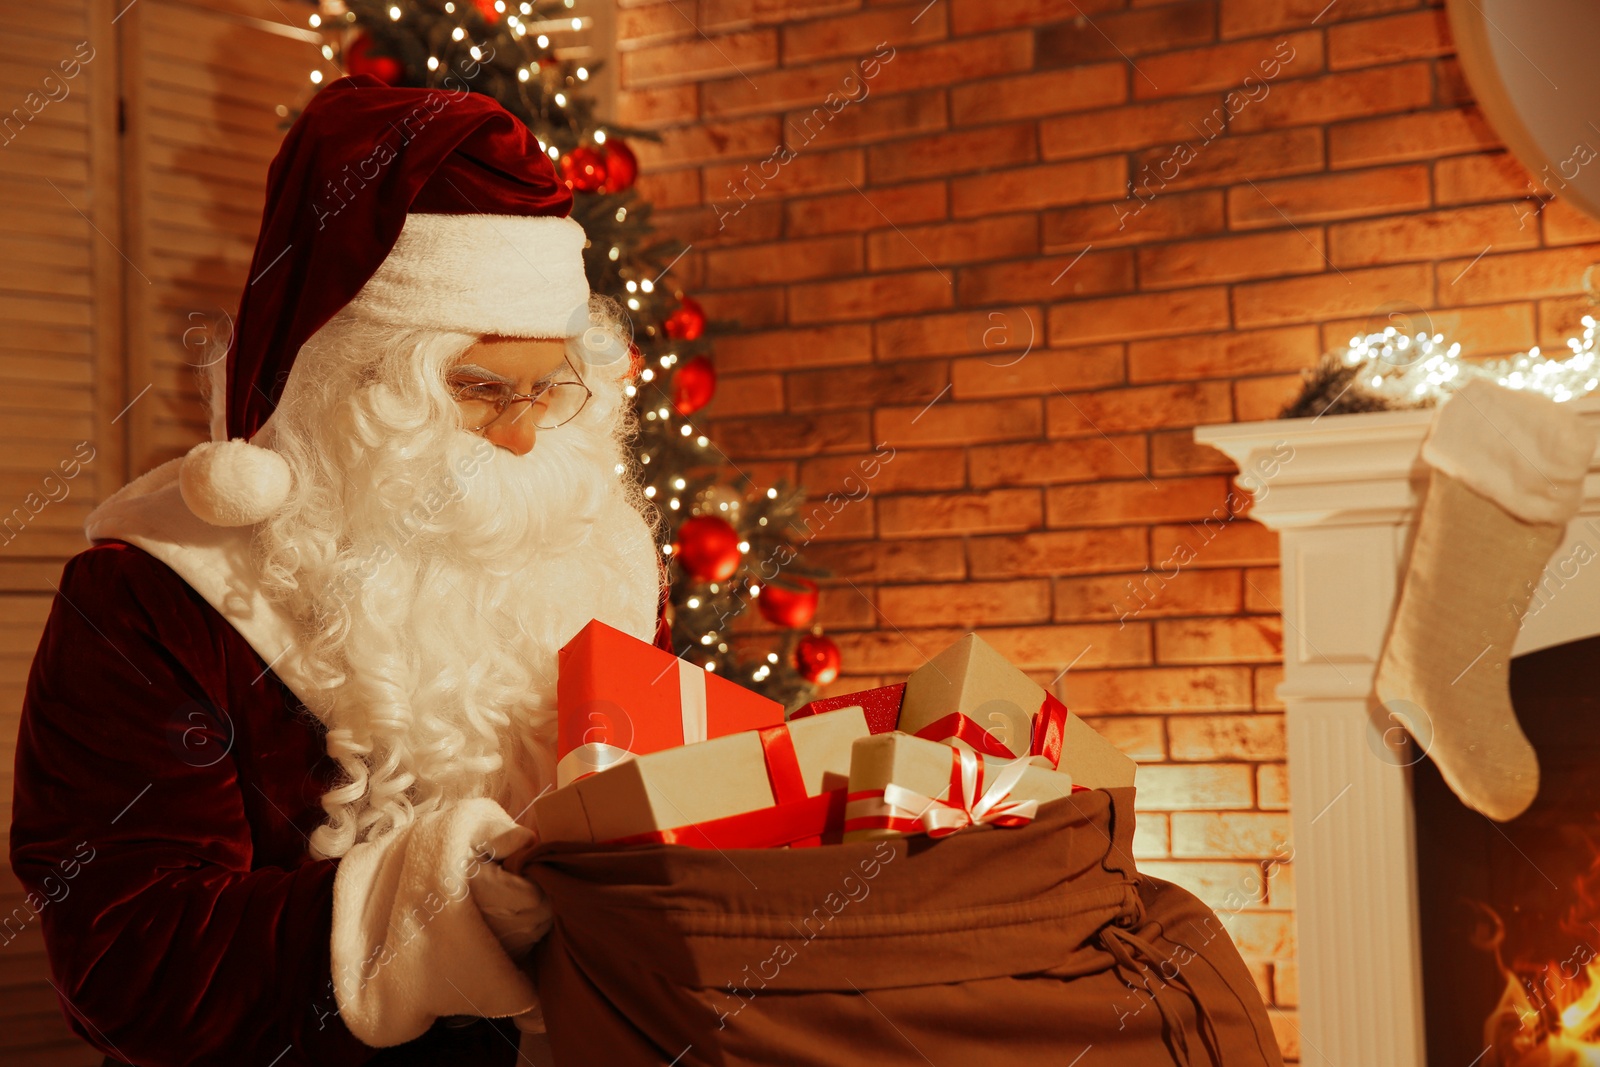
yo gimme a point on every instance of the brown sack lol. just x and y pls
(990, 946)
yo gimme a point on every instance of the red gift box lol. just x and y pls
(618, 696)
(881, 706)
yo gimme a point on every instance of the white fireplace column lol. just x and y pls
(1342, 492)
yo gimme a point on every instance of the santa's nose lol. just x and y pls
(514, 430)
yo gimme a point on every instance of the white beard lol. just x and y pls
(435, 577)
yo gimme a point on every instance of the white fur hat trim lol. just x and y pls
(233, 483)
(517, 275)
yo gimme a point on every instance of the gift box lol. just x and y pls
(900, 784)
(617, 696)
(970, 696)
(881, 706)
(780, 785)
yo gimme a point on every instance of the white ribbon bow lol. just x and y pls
(973, 806)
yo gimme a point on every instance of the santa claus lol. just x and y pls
(289, 706)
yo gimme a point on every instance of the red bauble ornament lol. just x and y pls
(694, 385)
(816, 657)
(794, 608)
(486, 9)
(358, 59)
(688, 322)
(708, 548)
(583, 170)
(622, 166)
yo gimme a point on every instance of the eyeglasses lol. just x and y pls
(551, 403)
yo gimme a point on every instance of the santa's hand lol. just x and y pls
(513, 907)
(424, 920)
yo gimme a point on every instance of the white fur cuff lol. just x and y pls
(521, 276)
(409, 942)
(1522, 450)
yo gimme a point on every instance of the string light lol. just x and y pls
(316, 77)
(1410, 370)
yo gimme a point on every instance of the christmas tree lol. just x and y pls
(728, 544)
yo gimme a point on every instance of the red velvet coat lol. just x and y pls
(165, 784)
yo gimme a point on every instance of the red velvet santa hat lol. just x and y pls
(424, 208)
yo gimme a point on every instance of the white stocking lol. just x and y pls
(1507, 477)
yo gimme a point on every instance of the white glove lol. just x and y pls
(514, 907)
(411, 941)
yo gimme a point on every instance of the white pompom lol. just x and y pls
(233, 483)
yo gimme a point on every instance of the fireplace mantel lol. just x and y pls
(1342, 492)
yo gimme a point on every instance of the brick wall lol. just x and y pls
(1028, 250)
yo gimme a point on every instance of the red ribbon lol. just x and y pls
(957, 726)
(783, 771)
(1047, 731)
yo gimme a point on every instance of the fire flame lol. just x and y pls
(1549, 1012)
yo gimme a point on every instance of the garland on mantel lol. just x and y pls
(1394, 371)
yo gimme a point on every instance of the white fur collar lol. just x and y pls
(149, 512)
